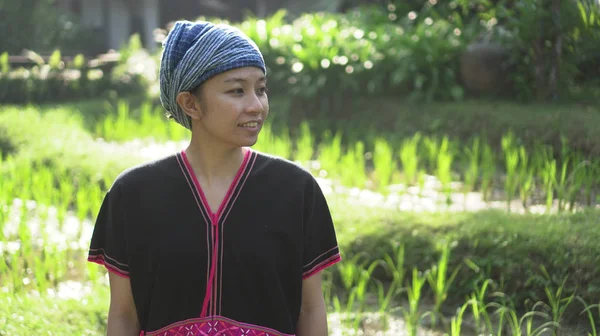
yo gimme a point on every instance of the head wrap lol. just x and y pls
(196, 51)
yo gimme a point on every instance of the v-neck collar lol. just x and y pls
(215, 216)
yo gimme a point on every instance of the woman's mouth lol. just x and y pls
(251, 124)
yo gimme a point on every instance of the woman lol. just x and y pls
(217, 239)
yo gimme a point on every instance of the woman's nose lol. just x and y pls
(255, 104)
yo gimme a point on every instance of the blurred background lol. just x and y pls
(455, 139)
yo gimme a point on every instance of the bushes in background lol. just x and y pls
(318, 60)
(43, 26)
(358, 54)
(58, 81)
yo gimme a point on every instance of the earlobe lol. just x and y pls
(189, 104)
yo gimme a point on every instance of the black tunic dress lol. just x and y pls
(236, 271)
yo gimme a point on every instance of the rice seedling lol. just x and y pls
(588, 179)
(384, 299)
(330, 153)
(473, 155)
(282, 145)
(3, 220)
(4, 271)
(356, 278)
(269, 142)
(40, 263)
(347, 161)
(118, 124)
(304, 145)
(83, 203)
(590, 314)
(431, 148)
(576, 181)
(502, 309)
(16, 270)
(122, 123)
(63, 202)
(561, 185)
(558, 304)
(596, 173)
(96, 195)
(511, 159)
(394, 265)
(384, 164)
(444, 168)
(353, 161)
(349, 272)
(525, 177)
(361, 289)
(516, 324)
(440, 282)
(178, 132)
(548, 174)
(42, 186)
(151, 125)
(421, 179)
(413, 315)
(480, 308)
(409, 158)
(456, 321)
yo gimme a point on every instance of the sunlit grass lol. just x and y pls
(50, 191)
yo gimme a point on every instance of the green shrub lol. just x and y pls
(317, 54)
(318, 60)
(56, 81)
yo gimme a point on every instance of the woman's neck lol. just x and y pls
(212, 162)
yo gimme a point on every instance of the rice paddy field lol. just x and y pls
(440, 236)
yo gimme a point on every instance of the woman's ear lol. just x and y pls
(189, 104)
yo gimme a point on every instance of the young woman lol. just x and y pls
(217, 239)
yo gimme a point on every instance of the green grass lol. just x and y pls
(22, 314)
(398, 119)
(545, 123)
(508, 248)
(50, 155)
(56, 137)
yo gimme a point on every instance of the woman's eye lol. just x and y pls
(263, 90)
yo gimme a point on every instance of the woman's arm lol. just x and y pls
(122, 315)
(313, 314)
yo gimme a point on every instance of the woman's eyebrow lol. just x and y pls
(242, 80)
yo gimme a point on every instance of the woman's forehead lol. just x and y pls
(243, 75)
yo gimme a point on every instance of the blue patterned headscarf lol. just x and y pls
(194, 52)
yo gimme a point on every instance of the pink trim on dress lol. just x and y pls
(106, 256)
(214, 217)
(184, 169)
(214, 325)
(232, 186)
(319, 257)
(99, 259)
(219, 297)
(322, 265)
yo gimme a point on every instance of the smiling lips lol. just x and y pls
(251, 124)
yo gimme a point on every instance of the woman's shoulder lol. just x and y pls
(147, 172)
(275, 165)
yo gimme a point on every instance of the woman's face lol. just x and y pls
(233, 106)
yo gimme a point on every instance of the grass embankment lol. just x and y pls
(509, 249)
(506, 248)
